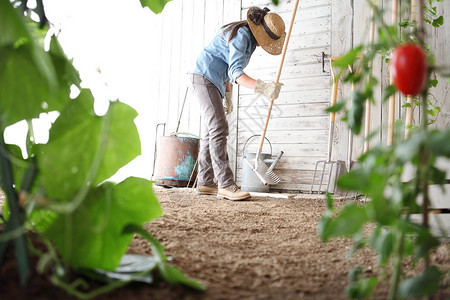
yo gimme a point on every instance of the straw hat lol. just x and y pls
(268, 29)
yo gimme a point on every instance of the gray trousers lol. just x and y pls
(213, 157)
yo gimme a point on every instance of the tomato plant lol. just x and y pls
(409, 69)
(397, 238)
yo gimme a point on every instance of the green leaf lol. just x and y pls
(17, 37)
(356, 111)
(410, 148)
(329, 201)
(25, 93)
(362, 289)
(347, 223)
(438, 143)
(349, 58)
(438, 21)
(437, 176)
(65, 71)
(85, 149)
(383, 243)
(426, 284)
(336, 107)
(433, 83)
(388, 92)
(355, 180)
(434, 111)
(95, 229)
(325, 227)
(156, 6)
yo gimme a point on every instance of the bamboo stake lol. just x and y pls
(368, 103)
(391, 114)
(409, 109)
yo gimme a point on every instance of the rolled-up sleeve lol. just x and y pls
(240, 52)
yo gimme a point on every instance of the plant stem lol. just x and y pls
(16, 218)
(397, 265)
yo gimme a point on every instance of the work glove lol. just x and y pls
(270, 89)
(227, 103)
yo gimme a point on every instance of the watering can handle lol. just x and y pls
(272, 166)
(255, 135)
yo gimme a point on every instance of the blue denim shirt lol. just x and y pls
(220, 62)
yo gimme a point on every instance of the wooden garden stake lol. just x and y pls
(368, 103)
(409, 108)
(391, 114)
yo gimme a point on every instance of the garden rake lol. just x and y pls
(264, 173)
(339, 165)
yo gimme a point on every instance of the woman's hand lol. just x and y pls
(227, 103)
(270, 89)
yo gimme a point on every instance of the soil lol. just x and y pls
(263, 248)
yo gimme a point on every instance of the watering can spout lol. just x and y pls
(277, 159)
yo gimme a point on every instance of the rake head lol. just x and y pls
(264, 174)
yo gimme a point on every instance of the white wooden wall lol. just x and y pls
(298, 125)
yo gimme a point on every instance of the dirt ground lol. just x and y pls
(263, 248)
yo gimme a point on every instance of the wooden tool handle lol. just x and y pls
(334, 92)
(277, 80)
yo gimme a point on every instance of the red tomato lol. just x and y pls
(409, 69)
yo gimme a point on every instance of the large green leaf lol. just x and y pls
(11, 25)
(439, 143)
(24, 90)
(27, 75)
(383, 243)
(92, 236)
(426, 284)
(156, 6)
(347, 223)
(85, 149)
(65, 72)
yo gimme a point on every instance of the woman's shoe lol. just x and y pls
(233, 192)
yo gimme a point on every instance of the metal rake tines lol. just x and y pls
(264, 174)
(325, 163)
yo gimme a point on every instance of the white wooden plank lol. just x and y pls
(286, 111)
(294, 97)
(284, 124)
(293, 56)
(290, 137)
(341, 43)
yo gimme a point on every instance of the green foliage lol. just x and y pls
(95, 227)
(423, 285)
(61, 190)
(380, 174)
(156, 6)
(359, 286)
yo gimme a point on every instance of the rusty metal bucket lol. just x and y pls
(176, 158)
